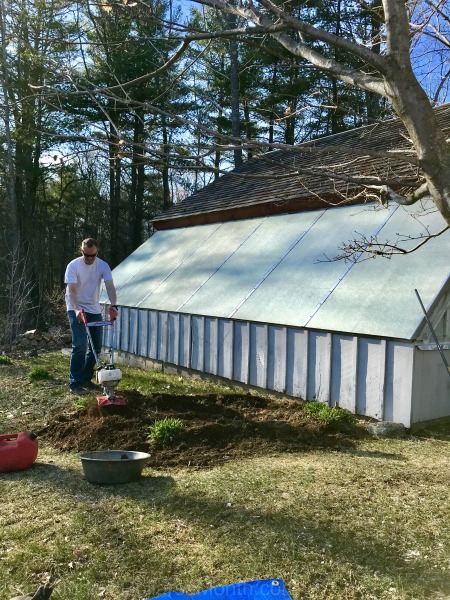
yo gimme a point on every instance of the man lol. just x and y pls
(83, 278)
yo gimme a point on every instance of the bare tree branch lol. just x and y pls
(328, 65)
(371, 248)
(418, 194)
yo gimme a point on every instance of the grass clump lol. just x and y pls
(38, 374)
(329, 415)
(5, 360)
(165, 431)
(81, 403)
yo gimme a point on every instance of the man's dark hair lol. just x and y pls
(89, 243)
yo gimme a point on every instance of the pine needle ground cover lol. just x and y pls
(332, 512)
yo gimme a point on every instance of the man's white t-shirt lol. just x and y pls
(88, 279)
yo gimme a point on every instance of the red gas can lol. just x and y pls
(18, 451)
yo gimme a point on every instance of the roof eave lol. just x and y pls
(273, 207)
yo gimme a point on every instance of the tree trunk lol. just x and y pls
(13, 212)
(136, 196)
(373, 101)
(165, 170)
(114, 197)
(272, 115)
(248, 128)
(234, 92)
(413, 107)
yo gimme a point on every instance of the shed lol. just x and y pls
(239, 282)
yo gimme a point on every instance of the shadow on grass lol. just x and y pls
(374, 454)
(72, 481)
(239, 531)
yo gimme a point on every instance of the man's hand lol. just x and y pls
(113, 312)
(79, 315)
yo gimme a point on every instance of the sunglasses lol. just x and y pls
(89, 255)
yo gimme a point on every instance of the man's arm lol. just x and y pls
(73, 299)
(112, 295)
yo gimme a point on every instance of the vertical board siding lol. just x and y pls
(225, 350)
(123, 339)
(319, 366)
(398, 383)
(277, 355)
(185, 341)
(197, 343)
(174, 338)
(344, 362)
(152, 334)
(133, 335)
(142, 333)
(370, 378)
(241, 354)
(211, 345)
(258, 355)
(367, 376)
(297, 363)
(163, 334)
(431, 385)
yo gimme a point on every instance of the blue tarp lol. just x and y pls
(264, 589)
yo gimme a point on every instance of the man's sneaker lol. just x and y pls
(77, 391)
(90, 385)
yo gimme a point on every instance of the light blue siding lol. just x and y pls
(370, 377)
(319, 366)
(133, 333)
(174, 338)
(124, 329)
(367, 376)
(344, 371)
(185, 341)
(226, 339)
(258, 355)
(142, 337)
(211, 352)
(276, 365)
(163, 335)
(398, 390)
(198, 345)
(297, 363)
(241, 351)
(152, 334)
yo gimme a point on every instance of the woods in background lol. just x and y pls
(108, 116)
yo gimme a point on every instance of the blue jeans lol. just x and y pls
(82, 361)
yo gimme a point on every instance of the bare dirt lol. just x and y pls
(216, 428)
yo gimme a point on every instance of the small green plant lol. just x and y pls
(81, 403)
(5, 360)
(165, 431)
(37, 374)
(329, 415)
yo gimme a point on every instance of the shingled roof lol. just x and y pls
(288, 181)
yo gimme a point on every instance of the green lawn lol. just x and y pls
(366, 522)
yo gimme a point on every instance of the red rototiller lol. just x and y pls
(108, 376)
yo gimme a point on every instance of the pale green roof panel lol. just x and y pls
(253, 261)
(200, 266)
(274, 269)
(380, 291)
(150, 276)
(297, 285)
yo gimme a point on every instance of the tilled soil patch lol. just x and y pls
(216, 428)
